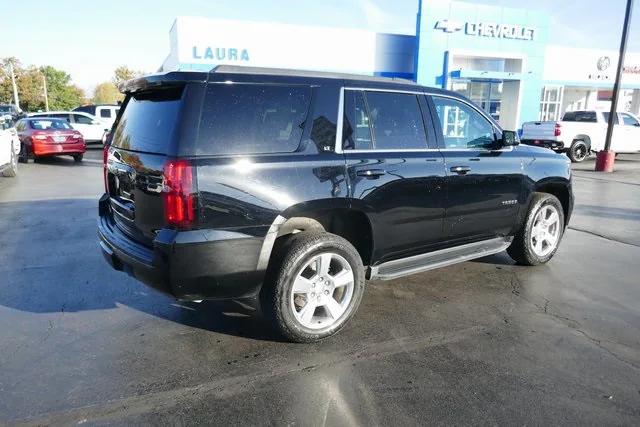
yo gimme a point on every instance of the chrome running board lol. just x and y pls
(442, 258)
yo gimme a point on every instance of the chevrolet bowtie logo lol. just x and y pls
(449, 26)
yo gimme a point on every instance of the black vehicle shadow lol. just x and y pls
(66, 161)
(500, 258)
(50, 262)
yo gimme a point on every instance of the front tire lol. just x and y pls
(77, 158)
(538, 239)
(578, 151)
(313, 287)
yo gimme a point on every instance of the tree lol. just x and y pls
(124, 73)
(106, 93)
(62, 94)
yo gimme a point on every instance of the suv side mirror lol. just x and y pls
(509, 138)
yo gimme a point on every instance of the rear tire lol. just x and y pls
(578, 151)
(537, 240)
(313, 286)
(77, 158)
(12, 169)
(23, 157)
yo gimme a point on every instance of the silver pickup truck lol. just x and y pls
(580, 133)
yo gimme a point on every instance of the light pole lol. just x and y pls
(606, 157)
(46, 95)
(16, 101)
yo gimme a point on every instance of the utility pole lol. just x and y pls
(606, 157)
(46, 95)
(16, 101)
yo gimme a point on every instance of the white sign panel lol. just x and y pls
(589, 66)
(215, 41)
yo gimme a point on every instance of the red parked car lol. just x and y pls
(44, 137)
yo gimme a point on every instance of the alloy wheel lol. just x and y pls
(545, 231)
(322, 291)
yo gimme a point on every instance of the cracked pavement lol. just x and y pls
(483, 342)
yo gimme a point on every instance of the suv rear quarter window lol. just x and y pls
(252, 119)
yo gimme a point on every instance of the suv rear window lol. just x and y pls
(148, 121)
(250, 119)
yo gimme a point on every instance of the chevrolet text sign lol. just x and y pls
(487, 29)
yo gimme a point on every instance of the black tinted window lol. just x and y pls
(105, 112)
(148, 121)
(246, 119)
(580, 116)
(356, 132)
(396, 121)
(605, 116)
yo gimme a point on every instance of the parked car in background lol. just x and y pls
(9, 147)
(91, 128)
(580, 133)
(294, 187)
(46, 136)
(105, 112)
(11, 110)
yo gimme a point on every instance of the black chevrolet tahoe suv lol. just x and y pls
(293, 187)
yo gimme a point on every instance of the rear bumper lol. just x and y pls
(188, 265)
(49, 149)
(557, 146)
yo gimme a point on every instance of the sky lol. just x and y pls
(90, 39)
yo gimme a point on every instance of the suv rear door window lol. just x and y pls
(629, 120)
(105, 113)
(251, 119)
(396, 121)
(148, 121)
(382, 121)
(356, 130)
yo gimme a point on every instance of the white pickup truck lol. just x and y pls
(583, 132)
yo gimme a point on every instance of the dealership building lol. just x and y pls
(499, 57)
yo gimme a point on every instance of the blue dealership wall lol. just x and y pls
(433, 45)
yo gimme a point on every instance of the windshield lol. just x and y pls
(49, 124)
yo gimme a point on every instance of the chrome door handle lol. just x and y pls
(460, 170)
(371, 173)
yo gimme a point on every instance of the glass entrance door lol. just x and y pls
(486, 94)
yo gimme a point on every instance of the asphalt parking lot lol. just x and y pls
(484, 342)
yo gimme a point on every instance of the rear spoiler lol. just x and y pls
(173, 78)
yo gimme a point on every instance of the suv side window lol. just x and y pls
(251, 119)
(383, 121)
(605, 117)
(356, 132)
(396, 121)
(462, 126)
(106, 113)
(629, 120)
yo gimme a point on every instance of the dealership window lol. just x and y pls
(550, 102)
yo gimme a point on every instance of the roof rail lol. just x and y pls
(239, 69)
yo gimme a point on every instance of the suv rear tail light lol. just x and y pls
(179, 193)
(105, 171)
(557, 131)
